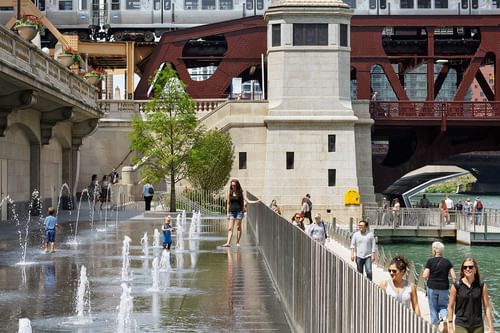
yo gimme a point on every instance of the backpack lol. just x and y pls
(479, 205)
(151, 190)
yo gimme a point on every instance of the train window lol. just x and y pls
(351, 3)
(441, 3)
(226, 4)
(465, 4)
(310, 34)
(343, 35)
(133, 4)
(276, 34)
(208, 4)
(41, 5)
(383, 4)
(65, 5)
(475, 4)
(373, 4)
(156, 5)
(498, 3)
(423, 3)
(260, 4)
(406, 4)
(83, 5)
(190, 4)
(250, 4)
(115, 4)
(167, 4)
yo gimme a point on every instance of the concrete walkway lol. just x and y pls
(379, 274)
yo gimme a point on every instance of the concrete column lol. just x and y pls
(34, 167)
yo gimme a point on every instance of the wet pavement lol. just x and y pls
(207, 289)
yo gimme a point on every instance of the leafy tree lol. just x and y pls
(164, 137)
(211, 161)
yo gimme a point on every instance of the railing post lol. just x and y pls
(485, 222)
(351, 221)
(334, 223)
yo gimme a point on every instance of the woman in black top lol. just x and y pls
(235, 205)
(468, 296)
(436, 273)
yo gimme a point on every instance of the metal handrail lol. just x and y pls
(320, 291)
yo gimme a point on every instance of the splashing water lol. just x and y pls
(24, 325)
(165, 261)
(125, 259)
(156, 238)
(155, 275)
(125, 324)
(145, 244)
(82, 299)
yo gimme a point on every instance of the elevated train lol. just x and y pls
(146, 20)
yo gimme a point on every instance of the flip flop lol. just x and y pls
(226, 245)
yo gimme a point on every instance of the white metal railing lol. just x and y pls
(29, 61)
(320, 292)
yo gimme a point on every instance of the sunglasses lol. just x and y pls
(468, 267)
(393, 271)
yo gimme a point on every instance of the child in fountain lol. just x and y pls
(167, 232)
(50, 230)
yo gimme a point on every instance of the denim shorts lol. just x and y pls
(50, 236)
(236, 215)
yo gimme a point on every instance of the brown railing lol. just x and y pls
(435, 110)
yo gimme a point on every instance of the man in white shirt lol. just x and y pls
(363, 248)
(449, 203)
(147, 192)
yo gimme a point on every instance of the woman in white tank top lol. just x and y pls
(403, 291)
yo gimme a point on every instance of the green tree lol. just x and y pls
(164, 137)
(211, 161)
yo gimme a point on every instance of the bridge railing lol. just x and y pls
(406, 217)
(435, 110)
(488, 220)
(321, 292)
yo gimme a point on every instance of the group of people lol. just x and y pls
(474, 209)
(101, 192)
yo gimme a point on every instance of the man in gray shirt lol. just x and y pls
(363, 248)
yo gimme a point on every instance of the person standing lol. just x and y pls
(449, 203)
(235, 207)
(363, 248)
(93, 190)
(402, 290)
(105, 195)
(444, 211)
(396, 211)
(309, 203)
(436, 273)
(468, 297)
(317, 231)
(148, 191)
(50, 224)
(424, 202)
(477, 209)
(167, 230)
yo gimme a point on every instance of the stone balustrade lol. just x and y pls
(124, 109)
(28, 63)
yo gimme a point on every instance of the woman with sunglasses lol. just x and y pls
(235, 205)
(468, 296)
(399, 288)
(298, 221)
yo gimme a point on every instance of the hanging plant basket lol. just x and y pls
(92, 79)
(27, 32)
(65, 59)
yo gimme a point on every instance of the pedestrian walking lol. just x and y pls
(317, 231)
(468, 297)
(363, 248)
(436, 272)
(399, 288)
(235, 206)
(148, 192)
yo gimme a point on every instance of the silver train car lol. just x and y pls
(146, 20)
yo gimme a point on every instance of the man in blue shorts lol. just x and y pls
(50, 230)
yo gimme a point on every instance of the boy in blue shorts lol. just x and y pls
(167, 233)
(50, 230)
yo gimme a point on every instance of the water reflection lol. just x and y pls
(50, 284)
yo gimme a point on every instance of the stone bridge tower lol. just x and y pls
(318, 141)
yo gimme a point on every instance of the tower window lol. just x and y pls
(331, 143)
(290, 160)
(310, 34)
(276, 34)
(242, 160)
(343, 35)
(332, 175)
